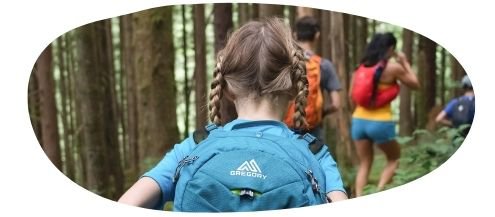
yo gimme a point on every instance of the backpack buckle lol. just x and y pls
(210, 127)
(309, 138)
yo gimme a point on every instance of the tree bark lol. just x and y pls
(155, 83)
(457, 74)
(200, 66)
(48, 110)
(96, 98)
(405, 116)
(243, 13)
(62, 63)
(427, 74)
(326, 42)
(222, 25)
(127, 49)
(443, 68)
(269, 10)
(34, 104)
(344, 147)
(187, 89)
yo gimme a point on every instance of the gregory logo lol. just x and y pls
(250, 168)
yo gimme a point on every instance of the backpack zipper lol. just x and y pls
(314, 184)
(185, 161)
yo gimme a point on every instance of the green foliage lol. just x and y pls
(422, 158)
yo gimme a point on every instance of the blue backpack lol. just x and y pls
(463, 112)
(248, 171)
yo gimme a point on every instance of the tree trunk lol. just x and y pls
(304, 11)
(187, 89)
(361, 37)
(155, 85)
(222, 25)
(200, 66)
(48, 111)
(405, 116)
(443, 68)
(243, 13)
(73, 110)
(126, 34)
(62, 63)
(457, 74)
(326, 46)
(292, 16)
(96, 97)
(269, 10)
(427, 72)
(34, 104)
(348, 51)
(255, 11)
(344, 151)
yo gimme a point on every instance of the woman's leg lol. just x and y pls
(392, 153)
(364, 151)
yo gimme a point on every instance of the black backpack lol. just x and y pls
(463, 111)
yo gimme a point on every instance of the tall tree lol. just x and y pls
(48, 111)
(155, 82)
(344, 150)
(222, 25)
(200, 65)
(405, 116)
(62, 86)
(269, 10)
(326, 46)
(187, 89)
(33, 104)
(243, 13)
(127, 64)
(427, 77)
(443, 69)
(255, 11)
(361, 37)
(457, 74)
(96, 98)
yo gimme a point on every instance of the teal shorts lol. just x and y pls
(378, 132)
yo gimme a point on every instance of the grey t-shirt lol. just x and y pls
(329, 79)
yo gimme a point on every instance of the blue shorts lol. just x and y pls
(378, 132)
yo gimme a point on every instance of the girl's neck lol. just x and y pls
(250, 108)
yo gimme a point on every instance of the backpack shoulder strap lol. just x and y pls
(314, 144)
(201, 134)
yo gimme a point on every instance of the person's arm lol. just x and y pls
(156, 187)
(444, 116)
(404, 72)
(442, 119)
(144, 193)
(331, 85)
(333, 181)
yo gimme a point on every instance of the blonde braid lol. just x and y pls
(299, 73)
(216, 94)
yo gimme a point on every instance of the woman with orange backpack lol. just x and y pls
(373, 87)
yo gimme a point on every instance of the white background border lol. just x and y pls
(30, 184)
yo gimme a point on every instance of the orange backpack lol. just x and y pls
(314, 107)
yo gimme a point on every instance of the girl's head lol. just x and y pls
(260, 61)
(381, 47)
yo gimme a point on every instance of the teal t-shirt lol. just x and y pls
(164, 171)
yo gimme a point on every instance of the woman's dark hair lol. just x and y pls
(377, 48)
(306, 28)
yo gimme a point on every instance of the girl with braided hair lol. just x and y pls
(261, 69)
